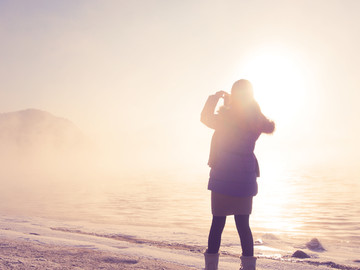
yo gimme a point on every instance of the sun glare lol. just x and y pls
(278, 81)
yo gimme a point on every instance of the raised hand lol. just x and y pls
(221, 94)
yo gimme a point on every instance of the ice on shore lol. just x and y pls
(40, 231)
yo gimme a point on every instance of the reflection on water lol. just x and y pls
(325, 207)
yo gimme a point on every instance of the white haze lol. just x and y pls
(134, 75)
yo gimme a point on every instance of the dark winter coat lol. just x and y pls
(234, 167)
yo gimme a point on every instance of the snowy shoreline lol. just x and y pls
(33, 254)
(35, 244)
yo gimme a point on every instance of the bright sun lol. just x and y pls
(278, 81)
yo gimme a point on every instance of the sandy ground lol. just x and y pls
(38, 244)
(22, 254)
(27, 254)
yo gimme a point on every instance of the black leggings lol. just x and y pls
(243, 228)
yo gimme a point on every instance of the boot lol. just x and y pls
(211, 260)
(248, 263)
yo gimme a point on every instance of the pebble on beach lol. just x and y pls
(300, 254)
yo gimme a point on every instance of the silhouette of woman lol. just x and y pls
(234, 167)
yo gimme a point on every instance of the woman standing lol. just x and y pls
(234, 167)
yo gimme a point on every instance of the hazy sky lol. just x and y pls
(134, 75)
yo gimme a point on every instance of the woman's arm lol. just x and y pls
(208, 116)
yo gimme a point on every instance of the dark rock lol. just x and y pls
(315, 245)
(357, 261)
(300, 254)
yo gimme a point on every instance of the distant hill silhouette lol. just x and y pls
(38, 137)
(32, 128)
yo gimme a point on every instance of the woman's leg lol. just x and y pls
(246, 238)
(217, 226)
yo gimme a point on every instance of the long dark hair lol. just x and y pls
(241, 108)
